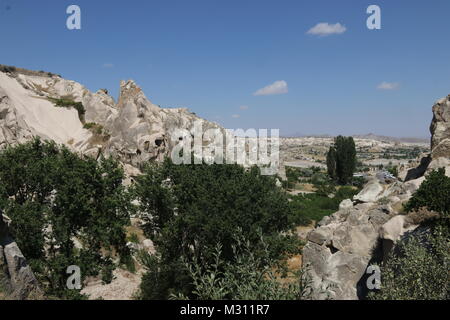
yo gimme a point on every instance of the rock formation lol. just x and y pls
(134, 129)
(440, 129)
(16, 276)
(343, 245)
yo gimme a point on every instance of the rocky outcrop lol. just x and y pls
(440, 145)
(16, 275)
(440, 129)
(371, 192)
(343, 245)
(340, 248)
(134, 129)
(142, 130)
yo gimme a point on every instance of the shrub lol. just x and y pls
(433, 193)
(188, 209)
(7, 69)
(418, 271)
(94, 127)
(66, 103)
(249, 276)
(53, 197)
(418, 267)
(306, 208)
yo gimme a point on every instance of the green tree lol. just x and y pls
(56, 198)
(341, 159)
(331, 163)
(188, 209)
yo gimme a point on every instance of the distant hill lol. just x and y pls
(369, 136)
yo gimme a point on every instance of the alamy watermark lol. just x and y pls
(225, 146)
(74, 280)
(73, 22)
(374, 280)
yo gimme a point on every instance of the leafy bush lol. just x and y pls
(7, 69)
(95, 127)
(434, 193)
(54, 198)
(418, 268)
(306, 208)
(418, 271)
(249, 276)
(190, 208)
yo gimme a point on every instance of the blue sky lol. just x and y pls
(212, 56)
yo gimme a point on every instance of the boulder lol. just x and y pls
(412, 185)
(440, 163)
(392, 231)
(20, 280)
(346, 204)
(338, 251)
(370, 193)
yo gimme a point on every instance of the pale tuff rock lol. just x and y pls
(124, 286)
(346, 204)
(440, 145)
(370, 193)
(142, 130)
(24, 114)
(339, 250)
(134, 130)
(440, 129)
(20, 281)
(442, 162)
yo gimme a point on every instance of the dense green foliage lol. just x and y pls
(302, 175)
(249, 276)
(332, 162)
(393, 170)
(55, 199)
(418, 271)
(341, 159)
(434, 193)
(418, 268)
(188, 209)
(306, 208)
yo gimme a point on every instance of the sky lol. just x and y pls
(303, 66)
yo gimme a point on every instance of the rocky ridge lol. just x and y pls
(134, 129)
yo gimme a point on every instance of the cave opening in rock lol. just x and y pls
(159, 142)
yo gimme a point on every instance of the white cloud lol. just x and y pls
(278, 87)
(325, 29)
(388, 85)
(235, 116)
(108, 65)
(243, 107)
